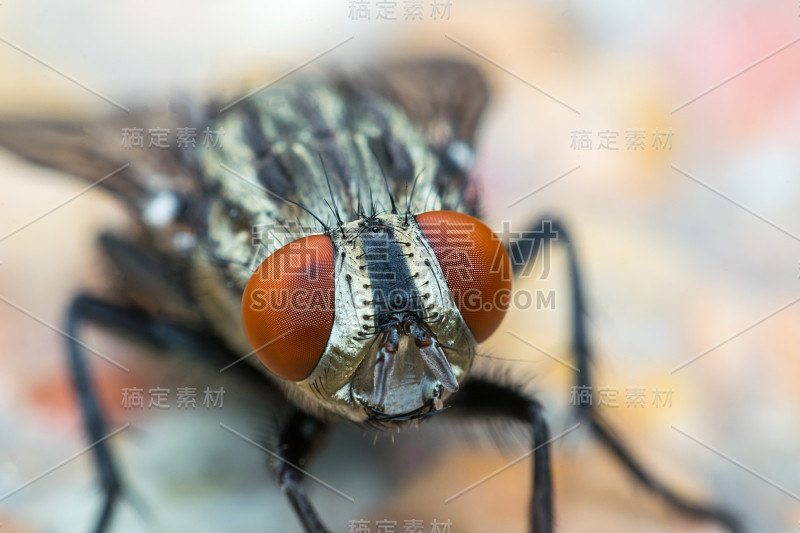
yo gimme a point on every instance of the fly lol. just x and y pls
(333, 233)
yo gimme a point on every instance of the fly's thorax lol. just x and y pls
(390, 297)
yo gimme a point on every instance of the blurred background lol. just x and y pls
(664, 134)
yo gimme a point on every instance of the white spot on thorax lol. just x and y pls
(184, 241)
(461, 155)
(161, 210)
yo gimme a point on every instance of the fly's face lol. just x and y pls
(378, 319)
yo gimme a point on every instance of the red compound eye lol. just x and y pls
(476, 267)
(288, 306)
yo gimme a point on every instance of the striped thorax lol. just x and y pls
(342, 290)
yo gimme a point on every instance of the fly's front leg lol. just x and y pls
(81, 310)
(524, 250)
(546, 232)
(482, 398)
(140, 325)
(298, 439)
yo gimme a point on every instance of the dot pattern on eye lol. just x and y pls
(476, 267)
(288, 307)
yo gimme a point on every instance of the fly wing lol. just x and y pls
(157, 186)
(97, 151)
(444, 97)
(445, 100)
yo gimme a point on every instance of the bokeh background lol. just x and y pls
(690, 248)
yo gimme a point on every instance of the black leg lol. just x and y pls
(546, 232)
(132, 322)
(526, 248)
(299, 438)
(694, 509)
(143, 327)
(93, 417)
(482, 398)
